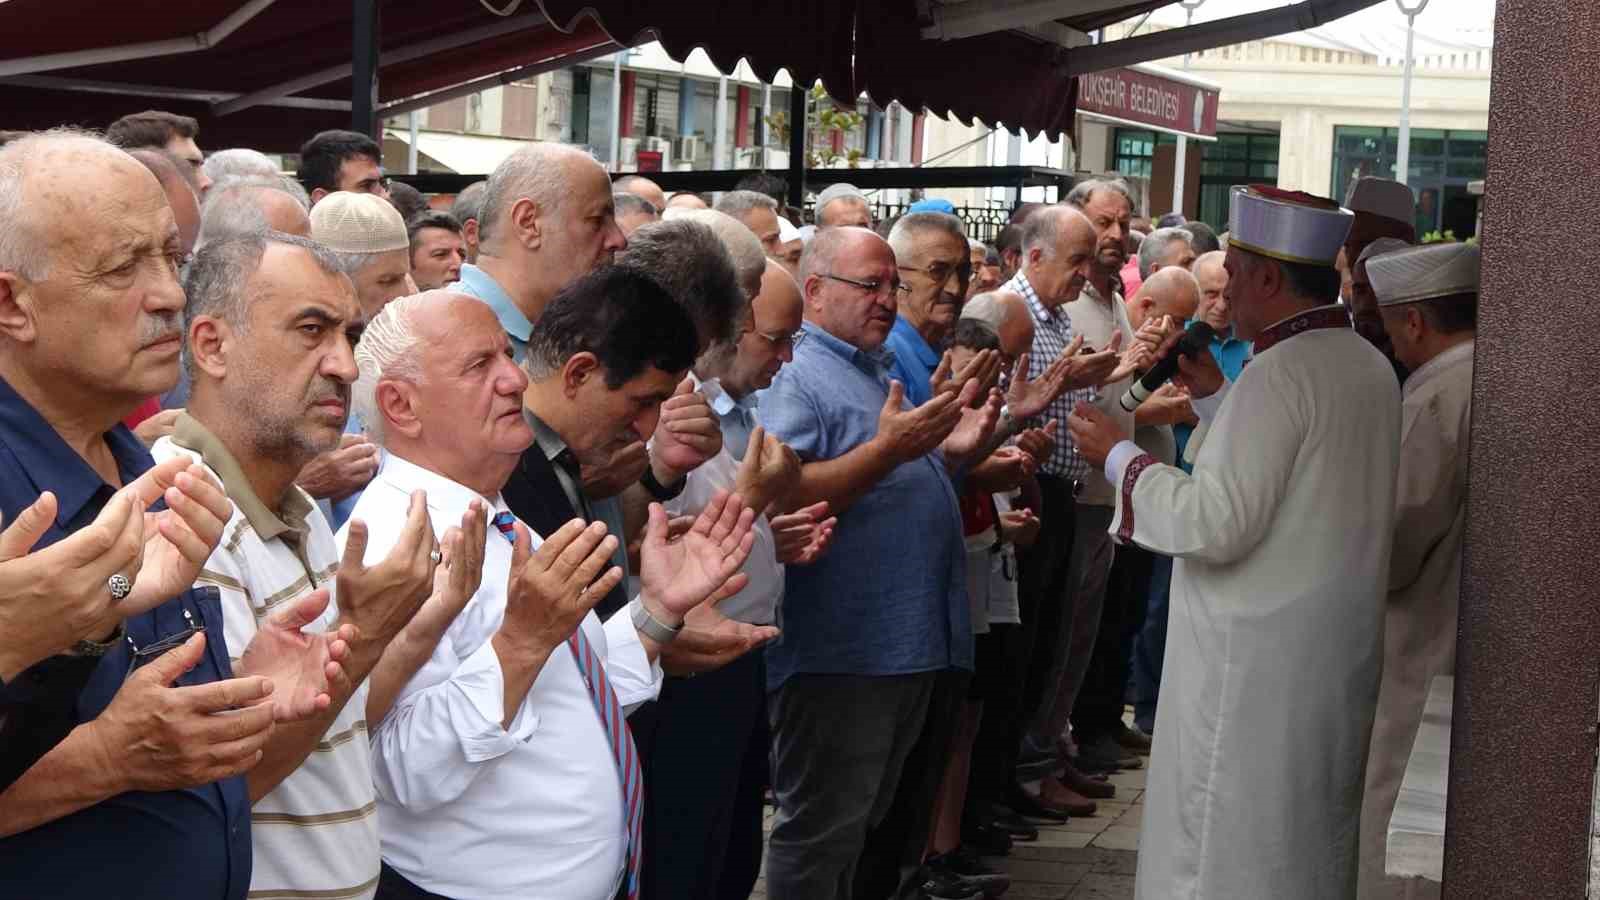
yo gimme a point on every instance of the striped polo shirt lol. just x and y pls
(316, 833)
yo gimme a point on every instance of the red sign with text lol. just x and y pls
(1149, 99)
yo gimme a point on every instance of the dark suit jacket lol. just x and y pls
(535, 496)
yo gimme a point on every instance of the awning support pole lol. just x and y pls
(798, 98)
(364, 68)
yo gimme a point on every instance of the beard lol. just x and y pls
(284, 431)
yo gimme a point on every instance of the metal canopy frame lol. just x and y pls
(915, 178)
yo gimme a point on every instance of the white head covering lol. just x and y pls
(786, 231)
(1423, 273)
(349, 222)
(1287, 225)
(1381, 246)
(1381, 197)
(837, 190)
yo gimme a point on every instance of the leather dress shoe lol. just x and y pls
(1055, 795)
(1025, 804)
(1093, 788)
(1134, 739)
(1016, 827)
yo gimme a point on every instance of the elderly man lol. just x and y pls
(869, 628)
(156, 129)
(163, 164)
(238, 205)
(467, 208)
(516, 726)
(1428, 297)
(686, 200)
(842, 204)
(759, 213)
(644, 189)
(370, 238)
(633, 211)
(336, 160)
(547, 219)
(437, 249)
(707, 765)
(271, 325)
(238, 162)
(1164, 247)
(929, 250)
(1282, 628)
(791, 245)
(148, 779)
(1384, 208)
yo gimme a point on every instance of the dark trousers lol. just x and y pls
(704, 780)
(1044, 597)
(839, 745)
(394, 886)
(1000, 669)
(891, 858)
(1150, 646)
(1098, 710)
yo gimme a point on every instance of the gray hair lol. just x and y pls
(232, 207)
(737, 203)
(910, 225)
(238, 162)
(822, 251)
(1082, 193)
(632, 204)
(1043, 229)
(469, 203)
(689, 258)
(978, 246)
(838, 191)
(388, 349)
(214, 284)
(23, 248)
(538, 172)
(352, 263)
(749, 260)
(1154, 247)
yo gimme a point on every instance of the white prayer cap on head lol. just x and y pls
(349, 222)
(1287, 225)
(1423, 273)
(1381, 197)
(786, 231)
(837, 190)
(985, 308)
(807, 232)
(1381, 246)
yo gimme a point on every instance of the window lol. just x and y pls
(1233, 158)
(1136, 150)
(1441, 164)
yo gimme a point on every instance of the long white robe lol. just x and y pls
(1282, 543)
(1424, 589)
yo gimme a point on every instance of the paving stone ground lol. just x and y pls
(1084, 859)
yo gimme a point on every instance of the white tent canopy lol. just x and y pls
(1444, 28)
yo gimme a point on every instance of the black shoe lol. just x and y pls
(990, 840)
(1016, 827)
(1025, 804)
(939, 883)
(969, 868)
(1104, 752)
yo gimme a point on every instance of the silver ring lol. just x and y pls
(120, 586)
(435, 555)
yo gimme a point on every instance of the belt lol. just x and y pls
(1074, 486)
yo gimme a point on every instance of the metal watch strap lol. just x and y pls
(660, 491)
(650, 626)
(86, 647)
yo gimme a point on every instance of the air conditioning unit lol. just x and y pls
(628, 152)
(692, 150)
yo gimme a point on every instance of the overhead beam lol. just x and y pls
(190, 43)
(407, 53)
(1209, 35)
(422, 101)
(91, 86)
(970, 19)
(366, 31)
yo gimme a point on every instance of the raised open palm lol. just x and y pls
(679, 575)
(300, 664)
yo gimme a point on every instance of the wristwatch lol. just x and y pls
(86, 647)
(650, 626)
(662, 492)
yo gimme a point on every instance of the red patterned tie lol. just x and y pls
(616, 727)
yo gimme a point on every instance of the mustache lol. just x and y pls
(330, 390)
(160, 326)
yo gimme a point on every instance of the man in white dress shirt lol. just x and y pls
(1282, 542)
(505, 768)
(1428, 298)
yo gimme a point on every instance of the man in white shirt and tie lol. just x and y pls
(506, 768)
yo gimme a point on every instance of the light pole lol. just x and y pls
(1402, 161)
(1180, 163)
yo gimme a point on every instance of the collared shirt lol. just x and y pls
(1052, 334)
(1097, 318)
(1231, 355)
(316, 833)
(760, 602)
(914, 361)
(889, 598)
(183, 843)
(468, 808)
(475, 282)
(736, 418)
(605, 509)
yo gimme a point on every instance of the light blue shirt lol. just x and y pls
(737, 418)
(475, 282)
(914, 361)
(890, 596)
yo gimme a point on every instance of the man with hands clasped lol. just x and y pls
(505, 767)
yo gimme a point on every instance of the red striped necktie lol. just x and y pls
(618, 734)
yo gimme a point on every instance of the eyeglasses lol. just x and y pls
(195, 623)
(938, 273)
(872, 287)
(779, 341)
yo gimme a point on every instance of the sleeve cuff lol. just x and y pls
(482, 683)
(1117, 460)
(634, 677)
(1207, 407)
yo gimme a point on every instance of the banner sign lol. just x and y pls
(1145, 98)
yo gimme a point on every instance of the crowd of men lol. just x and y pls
(355, 547)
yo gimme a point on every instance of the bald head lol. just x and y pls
(1016, 323)
(835, 265)
(751, 362)
(644, 188)
(1058, 244)
(541, 173)
(164, 165)
(1171, 291)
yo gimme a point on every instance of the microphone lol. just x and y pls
(1196, 339)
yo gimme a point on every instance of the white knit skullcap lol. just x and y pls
(348, 222)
